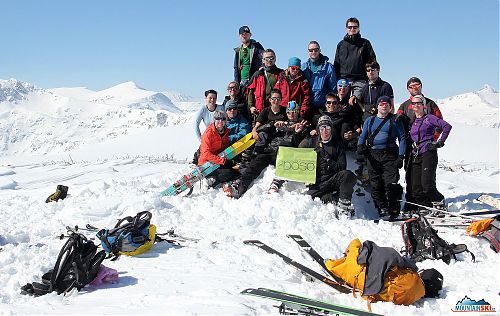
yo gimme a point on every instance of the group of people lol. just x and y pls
(330, 107)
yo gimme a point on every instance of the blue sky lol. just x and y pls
(453, 46)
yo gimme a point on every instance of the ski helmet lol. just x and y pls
(324, 120)
(220, 115)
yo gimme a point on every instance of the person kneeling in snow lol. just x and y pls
(214, 140)
(331, 173)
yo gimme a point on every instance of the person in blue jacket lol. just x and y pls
(377, 143)
(321, 76)
(237, 123)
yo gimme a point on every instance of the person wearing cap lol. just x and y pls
(237, 123)
(288, 131)
(262, 82)
(321, 76)
(214, 140)
(247, 57)
(425, 158)
(351, 56)
(377, 143)
(407, 115)
(375, 88)
(331, 173)
(294, 86)
(206, 112)
(351, 111)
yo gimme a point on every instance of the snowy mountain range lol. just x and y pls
(41, 121)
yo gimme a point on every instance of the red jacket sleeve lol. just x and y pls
(307, 96)
(207, 149)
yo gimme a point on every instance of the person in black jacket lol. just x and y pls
(331, 174)
(375, 88)
(247, 58)
(351, 56)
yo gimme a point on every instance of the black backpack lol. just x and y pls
(77, 265)
(422, 242)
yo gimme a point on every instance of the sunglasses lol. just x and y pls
(292, 111)
(220, 119)
(276, 98)
(232, 88)
(417, 103)
(371, 69)
(414, 86)
(270, 58)
(343, 86)
(294, 68)
(352, 27)
(232, 109)
(384, 104)
(332, 102)
(325, 127)
(313, 50)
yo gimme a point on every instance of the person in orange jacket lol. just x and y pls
(213, 141)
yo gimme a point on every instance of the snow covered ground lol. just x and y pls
(115, 175)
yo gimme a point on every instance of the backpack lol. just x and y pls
(489, 229)
(421, 242)
(401, 285)
(77, 265)
(131, 236)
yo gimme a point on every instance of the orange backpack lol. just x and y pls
(402, 286)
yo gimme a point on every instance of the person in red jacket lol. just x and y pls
(294, 86)
(213, 141)
(262, 82)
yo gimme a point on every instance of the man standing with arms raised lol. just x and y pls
(353, 52)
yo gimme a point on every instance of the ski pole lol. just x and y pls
(445, 212)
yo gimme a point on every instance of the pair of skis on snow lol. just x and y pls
(200, 172)
(297, 305)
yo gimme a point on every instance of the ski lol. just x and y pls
(304, 245)
(304, 305)
(441, 211)
(305, 270)
(489, 200)
(188, 180)
(492, 212)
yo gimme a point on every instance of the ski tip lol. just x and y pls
(247, 291)
(294, 236)
(252, 242)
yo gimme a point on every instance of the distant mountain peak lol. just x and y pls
(488, 88)
(13, 90)
(127, 85)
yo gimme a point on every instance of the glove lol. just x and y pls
(434, 145)
(362, 150)
(228, 164)
(400, 161)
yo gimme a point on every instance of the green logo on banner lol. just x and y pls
(296, 164)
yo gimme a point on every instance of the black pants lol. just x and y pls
(423, 176)
(254, 168)
(384, 176)
(222, 175)
(407, 164)
(343, 181)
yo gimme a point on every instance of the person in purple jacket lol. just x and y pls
(424, 165)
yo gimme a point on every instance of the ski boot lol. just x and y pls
(440, 205)
(60, 194)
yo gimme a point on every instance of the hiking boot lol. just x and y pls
(383, 212)
(346, 207)
(394, 213)
(60, 194)
(441, 205)
(232, 190)
(275, 186)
